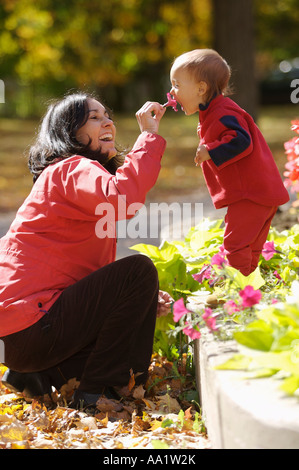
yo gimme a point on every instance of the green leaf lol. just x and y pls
(290, 385)
(261, 373)
(284, 338)
(276, 236)
(240, 281)
(281, 361)
(237, 362)
(151, 251)
(159, 444)
(166, 423)
(258, 335)
(168, 251)
(163, 322)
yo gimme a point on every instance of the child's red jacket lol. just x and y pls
(241, 164)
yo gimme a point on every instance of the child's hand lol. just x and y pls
(201, 155)
(149, 117)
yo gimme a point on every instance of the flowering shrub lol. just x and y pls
(191, 269)
(260, 311)
(292, 165)
(274, 336)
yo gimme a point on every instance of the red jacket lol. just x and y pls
(241, 164)
(54, 239)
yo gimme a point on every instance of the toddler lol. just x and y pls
(238, 167)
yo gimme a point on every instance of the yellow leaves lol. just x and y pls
(14, 432)
(10, 410)
(68, 389)
(2, 370)
(147, 416)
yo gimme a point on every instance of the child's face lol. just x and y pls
(188, 93)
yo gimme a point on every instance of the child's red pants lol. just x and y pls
(247, 226)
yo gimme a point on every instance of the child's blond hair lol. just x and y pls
(208, 66)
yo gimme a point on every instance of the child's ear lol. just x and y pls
(202, 88)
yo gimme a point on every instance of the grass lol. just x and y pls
(178, 174)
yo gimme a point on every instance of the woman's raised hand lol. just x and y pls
(149, 116)
(164, 304)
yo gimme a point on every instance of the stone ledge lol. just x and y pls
(242, 413)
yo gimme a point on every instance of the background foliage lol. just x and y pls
(122, 47)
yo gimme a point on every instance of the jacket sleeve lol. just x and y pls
(87, 184)
(234, 141)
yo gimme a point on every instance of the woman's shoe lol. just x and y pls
(14, 381)
(31, 384)
(88, 401)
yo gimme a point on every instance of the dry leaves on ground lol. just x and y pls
(151, 417)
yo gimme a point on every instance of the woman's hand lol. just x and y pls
(149, 116)
(164, 304)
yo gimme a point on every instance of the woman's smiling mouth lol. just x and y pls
(108, 137)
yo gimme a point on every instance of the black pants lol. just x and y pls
(97, 331)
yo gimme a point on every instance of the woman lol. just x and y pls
(67, 308)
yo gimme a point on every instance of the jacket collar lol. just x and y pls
(216, 98)
(205, 108)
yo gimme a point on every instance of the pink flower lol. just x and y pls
(277, 275)
(171, 102)
(205, 273)
(209, 319)
(191, 332)
(295, 187)
(218, 259)
(295, 125)
(250, 296)
(268, 250)
(231, 307)
(179, 309)
(293, 169)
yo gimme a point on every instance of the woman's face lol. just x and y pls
(98, 129)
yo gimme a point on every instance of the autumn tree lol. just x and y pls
(125, 47)
(233, 32)
(51, 45)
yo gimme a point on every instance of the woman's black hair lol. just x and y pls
(56, 138)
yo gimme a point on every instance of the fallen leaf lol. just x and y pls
(149, 404)
(105, 404)
(138, 392)
(87, 422)
(131, 383)
(169, 404)
(139, 425)
(132, 423)
(67, 390)
(188, 414)
(14, 431)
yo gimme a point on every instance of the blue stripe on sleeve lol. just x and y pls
(235, 146)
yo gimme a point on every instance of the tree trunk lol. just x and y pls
(233, 23)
